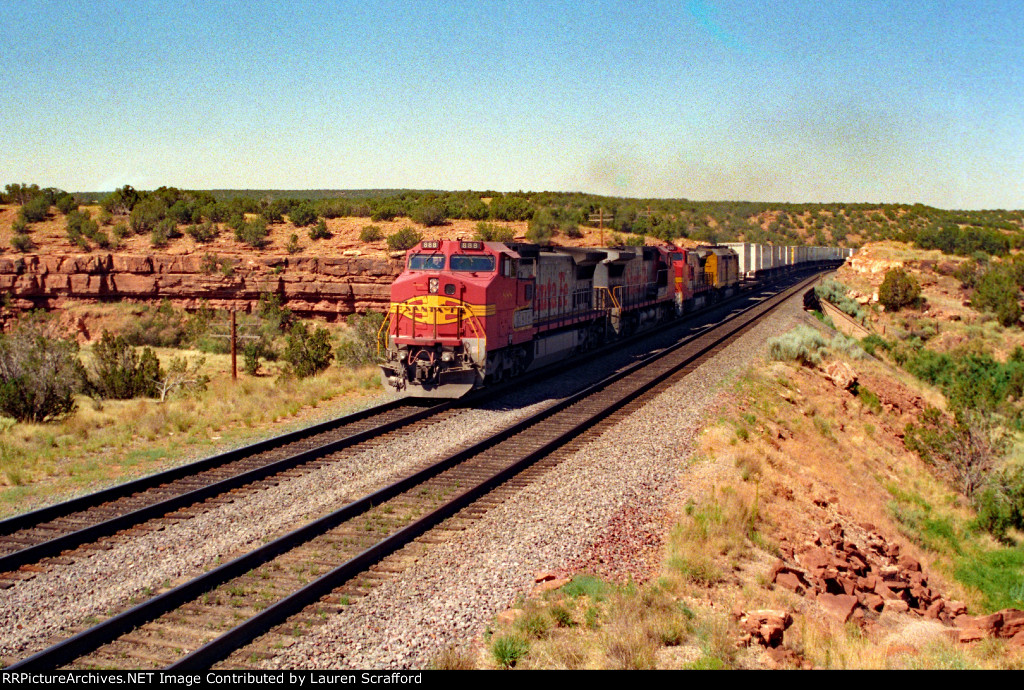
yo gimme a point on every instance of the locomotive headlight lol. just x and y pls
(447, 356)
(433, 285)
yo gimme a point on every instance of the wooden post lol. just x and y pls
(234, 368)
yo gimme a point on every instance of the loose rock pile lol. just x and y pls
(858, 579)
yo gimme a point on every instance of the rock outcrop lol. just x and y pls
(325, 286)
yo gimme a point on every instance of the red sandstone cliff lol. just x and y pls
(325, 286)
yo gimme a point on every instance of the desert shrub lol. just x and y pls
(276, 317)
(899, 289)
(164, 232)
(511, 208)
(835, 292)
(406, 238)
(251, 355)
(66, 204)
(802, 344)
(78, 224)
(997, 292)
(22, 243)
(320, 231)
(182, 376)
(968, 274)
(370, 233)
(430, 215)
(574, 231)
(1000, 503)
(359, 347)
(19, 226)
(253, 232)
(872, 342)
(120, 372)
(542, 228)
(146, 214)
(967, 450)
(163, 326)
(39, 372)
(35, 210)
(203, 232)
(492, 232)
(385, 211)
(308, 352)
(183, 212)
(847, 345)
(302, 215)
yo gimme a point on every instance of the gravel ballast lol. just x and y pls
(612, 491)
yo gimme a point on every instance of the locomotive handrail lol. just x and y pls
(611, 296)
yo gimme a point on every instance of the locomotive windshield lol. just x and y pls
(469, 262)
(426, 262)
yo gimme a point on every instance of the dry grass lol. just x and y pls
(109, 441)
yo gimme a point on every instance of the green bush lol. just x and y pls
(204, 232)
(506, 207)
(1000, 502)
(78, 225)
(253, 232)
(803, 344)
(293, 246)
(404, 239)
(370, 233)
(22, 243)
(542, 228)
(899, 289)
(147, 213)
(837, 293)
(119, 372)
(163, 326)
(251, 355)
(492, 232)
(39, 372)
(320, 231)
(997, 292)
(872, 342)
(302, 215)
(66, 204)
(430, 215)
(36, 210)
(307, 352)
(360, 345)
(164, 232)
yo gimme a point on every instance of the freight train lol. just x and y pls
(467, 313)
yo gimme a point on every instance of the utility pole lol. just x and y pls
(599, 217)
(234, 338)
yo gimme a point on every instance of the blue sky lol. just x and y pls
(882, 101)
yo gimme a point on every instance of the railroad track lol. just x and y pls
(45, 537)
(319, 569)
(58, 535)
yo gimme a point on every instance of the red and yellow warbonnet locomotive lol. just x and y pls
(464, 313)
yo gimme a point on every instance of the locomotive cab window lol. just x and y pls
(426, 262)
(468, 262)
